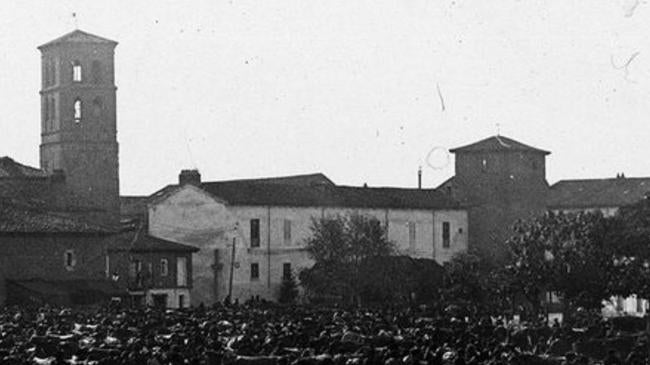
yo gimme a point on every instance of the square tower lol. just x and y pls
(78, 119)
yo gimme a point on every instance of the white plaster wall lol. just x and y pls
(458, 233)
(194, 217)
(172, 296)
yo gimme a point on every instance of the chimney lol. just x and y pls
(192, 177)
(420, 177)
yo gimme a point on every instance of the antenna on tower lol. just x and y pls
(498, 129)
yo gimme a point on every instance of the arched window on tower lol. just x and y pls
(97, 107)
(77, 111)
(51, 78)
(96, 70)
(46, 76)
(50, 106)
(76, 71)
(53, 72)
(46, 119)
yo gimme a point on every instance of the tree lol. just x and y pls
(629, 233)
(565, 253)
(340, 247)
(472, 279)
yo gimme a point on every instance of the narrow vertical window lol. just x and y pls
(77, 111)
(286, 271)
(55, 76)
(96, 70)
(48, 110)
(255, 232)
(484, 164)
(53, 114)
(412, 235)
(287, 232)
(52, 73)
(255, 271)
(46, 76)
(164, 267)
(69, 260)
(445, 234)
(76, 71)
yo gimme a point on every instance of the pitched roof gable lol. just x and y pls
(139, 241)
(78, 36)
(588, 193)
(498, 143)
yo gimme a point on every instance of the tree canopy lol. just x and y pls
(340, 246)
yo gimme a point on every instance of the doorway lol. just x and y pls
(160, 300)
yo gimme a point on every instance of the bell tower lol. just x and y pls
(78, 120)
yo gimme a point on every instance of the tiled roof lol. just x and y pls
(78, 36)
(12, 169)
(299, 180)
(137, 240)
(497, 143)
(23, 219)
(598, 192)
(317, 192)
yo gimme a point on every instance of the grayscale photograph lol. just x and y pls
(309, 182)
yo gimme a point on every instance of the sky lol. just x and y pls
(362, 91)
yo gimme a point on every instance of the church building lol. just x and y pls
(60, 230)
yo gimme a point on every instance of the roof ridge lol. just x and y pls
(604, 179)
(62, 38)
(262, 179)
(497, 142)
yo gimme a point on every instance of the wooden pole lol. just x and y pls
(232, 268)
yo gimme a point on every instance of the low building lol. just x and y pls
(156, 272)
(251, 233)
(47, 257)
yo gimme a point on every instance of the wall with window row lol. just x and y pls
(271, 237)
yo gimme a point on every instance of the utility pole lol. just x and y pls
(232, 268)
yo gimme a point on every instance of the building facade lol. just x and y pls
(78, 120)
(154, 271)
(251, 233)
(500, 180)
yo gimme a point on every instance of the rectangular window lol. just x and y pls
(164, 267)
(76, 71)
(287, 232)
(69, 260)
(255, 271)
(445, 234)
(412, 236)
(286, 271)
(136, 266)
(255, 233)
(181, 271)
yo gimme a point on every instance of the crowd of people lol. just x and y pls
(264, 333)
